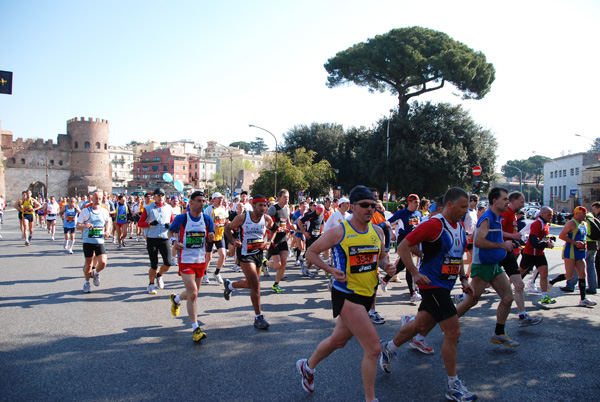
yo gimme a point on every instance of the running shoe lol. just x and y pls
(297, 263)
(383, 284)
(458, 298)
(52, 238)
(415, 297)
(27, 242)
(566, 289)
(123, 243)
(227, 292)
(308, 380)
(70, 251)
(217, 277)
(376, 318)
(66, 245)
(421, 346)
(96, 276)
(174, 261)
(459, 393)
(277, 289)
(174, 306)
(386, 357)
(306, 272)
(205, 279)
(505, 340)
(236, 268)
(547, 300)
(199, 335)
(529, 321)
(396, 279)
(260, 322)
(587, 303)
(405, 319)
(160, 283)
(114, 240)
(87, 288)
(530, 287)
(152, 290)
(119, 247)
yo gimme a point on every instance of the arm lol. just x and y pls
(384, 261)
(405, 254)
(234, 224)
(325, 242)
(569, 227)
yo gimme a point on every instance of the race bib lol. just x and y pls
(363, 258)
(70, 218)
(282, 226)
(316, 232)
(451, 268)
(194, 239)
(254, 244)
(96, 233)
(122, 217)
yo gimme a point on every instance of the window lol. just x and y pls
(559, 197)
(572, 171)
(76, 144)
(576, 171)
(551, 192)
(51, 162)
(145, 168)
(97, 145)
(169, 158)
(551, 175)
(155, 168)
(60, 163)
(164, 168)
(22, 161)
(105, 147)
(565, 192)
(565, 173)
(86, 145)
(183, 167)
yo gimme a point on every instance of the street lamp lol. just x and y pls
(521, 180)
(230, 166)
(275, 138)
(387, 164)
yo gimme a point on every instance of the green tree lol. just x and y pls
(532, 168)
(412, 61)
(242, 144)
(296, 170)
(258, 146)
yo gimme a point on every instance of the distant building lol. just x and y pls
(121, 159)
(572, 180)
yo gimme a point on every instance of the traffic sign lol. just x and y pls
(477, 170)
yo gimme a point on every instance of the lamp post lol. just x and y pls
(230, 166)
(275, 138)
(521, 180)
(387, 164)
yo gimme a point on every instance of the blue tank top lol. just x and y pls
(578, 234)
(121, 213)
(70, 218)
(492, 255)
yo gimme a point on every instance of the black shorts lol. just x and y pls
(276, 249)
(310, 241)
(509, 263)
(157, 245)
(136, 218)
(218, 244)
(438, 303)
(529, 261)
(28, 217)
(68, 230)
(91, 249)
(255, 259)
(338, 298)
(20, 215)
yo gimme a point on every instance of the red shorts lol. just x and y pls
(121, 223)
(192, 269)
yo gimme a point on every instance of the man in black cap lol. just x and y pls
(157, 217)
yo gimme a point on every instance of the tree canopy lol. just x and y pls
(242, 144)
(258, 146)
(411, 61)
(532, 168)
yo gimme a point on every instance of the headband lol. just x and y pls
(255, 200)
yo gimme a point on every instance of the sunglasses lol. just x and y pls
(367, 204)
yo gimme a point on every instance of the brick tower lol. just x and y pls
(90, 165)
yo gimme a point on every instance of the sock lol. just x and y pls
(230, 286)
(452, 379)
(559, 278)
(391, 347)
(311, 371)
(582, 288)
(217, 271)
(298, 253)
(176, 299)
(522, 314)
(544, 295)
(195, 325)
(409, 282)
(72, 244)
(372, 311)
(258, 315)
(276, 283)
(158, 275)
(87, 281)
(419, 337)
(499, 329)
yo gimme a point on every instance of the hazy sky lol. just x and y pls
(166, 70)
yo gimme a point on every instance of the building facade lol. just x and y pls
(121, 161)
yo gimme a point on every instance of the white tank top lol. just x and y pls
(252, 234)
(193, 238)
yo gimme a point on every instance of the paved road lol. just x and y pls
(120, 344)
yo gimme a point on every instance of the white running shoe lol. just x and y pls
(421, 346)
(530, 287)
(587, 303)
(383, 284)
(70, 251)
(160, 282)
(96, 277)
(87, 288)
(205, 279)
(415, 297)
(152, 290)
(297, 264)
(405, 319)
(217, 277)
(174, 261)
(66, 244)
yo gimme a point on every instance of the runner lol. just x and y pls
(193, 227)
(311, 226)
(2, 207)
(219, 216)
(250, 248)
(52, 210)
(299, 239)
(358, 250)
(157, 218)
(280, 213)
(28, 207)
(70, 214)
(574, 234)
(121, 213)
(94, 221)
(176, 211)
(443, 241)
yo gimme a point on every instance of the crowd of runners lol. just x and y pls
(438, 243)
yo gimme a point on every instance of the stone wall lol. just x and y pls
(19, 179)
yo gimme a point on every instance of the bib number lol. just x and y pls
(96, 233)
(451, 268)
(363, 259)
(194, 239)
(254, 244)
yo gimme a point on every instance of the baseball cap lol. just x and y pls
(271, 199)
(343, 200)
(327, 199)
(159, 191)
(186, 200)
(216, 195)
(320, 206)
(580, 209)
(173, 198)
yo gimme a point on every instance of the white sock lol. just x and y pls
(372, 311)
(523, 313)
(391, 346)
(195, 325)
(176, 299)
(419, 337)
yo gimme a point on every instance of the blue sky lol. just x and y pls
(165, 70)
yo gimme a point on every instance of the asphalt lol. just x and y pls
(120, 344)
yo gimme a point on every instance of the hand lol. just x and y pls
(579, 244)
(515, 236)
(266, 245)
(177, 245)
(236, 243)
(390, 269)
(508, 246)
(550, 244)
(467, 289)
(420, 279)
(210, 237)
(338, 275)
(153, 223)
(166, 225)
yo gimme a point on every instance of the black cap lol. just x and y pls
(360, 193)
(327, 199)
(159, 191)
